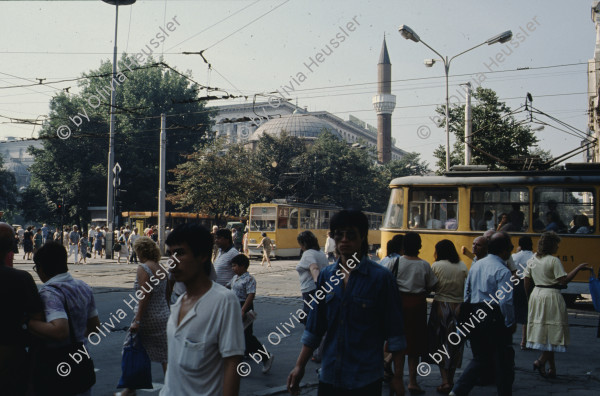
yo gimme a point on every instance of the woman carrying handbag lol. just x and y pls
(149, 323)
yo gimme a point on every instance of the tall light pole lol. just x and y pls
(110, 216)
(410, 34)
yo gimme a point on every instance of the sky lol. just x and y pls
(259, 46)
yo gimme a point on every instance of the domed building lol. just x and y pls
(301, 125)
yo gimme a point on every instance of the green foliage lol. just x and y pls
(334, 172)
(274, 159)
(76, 168)
(494, 131)
(34, 206)
(8, 193)
(217, 181)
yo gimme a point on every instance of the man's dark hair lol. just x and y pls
(445, 250)
(499, 242)
(224, 233)
(198, 239)
(6, 245)
(52, 259)
(526, 243)
(352, 218)
(308, 240)
(241, 260)
(394, 245)
(411, 244)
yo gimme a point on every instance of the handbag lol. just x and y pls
(595, 290)
(136, 372)
(57, 373)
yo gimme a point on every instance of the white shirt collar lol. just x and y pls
(64, 277)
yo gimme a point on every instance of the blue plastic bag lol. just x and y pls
(595, 291)
(136, 372)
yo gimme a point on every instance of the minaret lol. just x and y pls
(384, 103)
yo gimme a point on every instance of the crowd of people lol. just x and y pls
(361, 318)
(80, 244)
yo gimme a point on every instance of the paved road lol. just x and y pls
(279, 296)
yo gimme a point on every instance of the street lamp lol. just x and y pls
(111, 140)
(410, 34)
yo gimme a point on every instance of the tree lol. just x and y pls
(8, 193)
(76, 168)
(334, 172)
(494, 131)
(217, 181)
(274, 159)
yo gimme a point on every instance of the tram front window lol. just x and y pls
(263, 219)
(394, 212)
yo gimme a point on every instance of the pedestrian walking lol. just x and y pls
(266, 244)
(19, 302)
(204, 332)
(152, 312)
(226, 253)
(131, 242)
(124, 251)
(415, 280)
(83, 248)
(491, 340)
(330, 247)
(523, 255)
(451, 273)
(244, 286)
(99, 242)
(27, 243)
(38, 240)
(359, 309)
(68, 304)
(547, 321)
(74, 243)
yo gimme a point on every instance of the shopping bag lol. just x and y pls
(136, 372)
(595, 290)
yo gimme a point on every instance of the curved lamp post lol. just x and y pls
(410, 34)
(110, 216)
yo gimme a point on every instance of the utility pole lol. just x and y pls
(468, 124)
(162, 183)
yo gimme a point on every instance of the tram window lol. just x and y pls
(283, 215)
(263, 218)
(293, 218)
(489, 204)
(433, 208)
(324, 219)
(374, 222)
(563, 210)
(305, 219)
(394, 212)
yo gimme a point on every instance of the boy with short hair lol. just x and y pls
(244, 286)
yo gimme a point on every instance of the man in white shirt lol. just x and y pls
(330, 247)
(74, 243)
(132, 238)
(227, 252)
(205, 332)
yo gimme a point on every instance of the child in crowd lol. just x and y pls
(244, 286)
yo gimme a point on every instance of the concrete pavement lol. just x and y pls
(278, 296)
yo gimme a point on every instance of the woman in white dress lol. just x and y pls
(547, 325)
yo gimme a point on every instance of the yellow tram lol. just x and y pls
(283, 221)
(460, 206)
